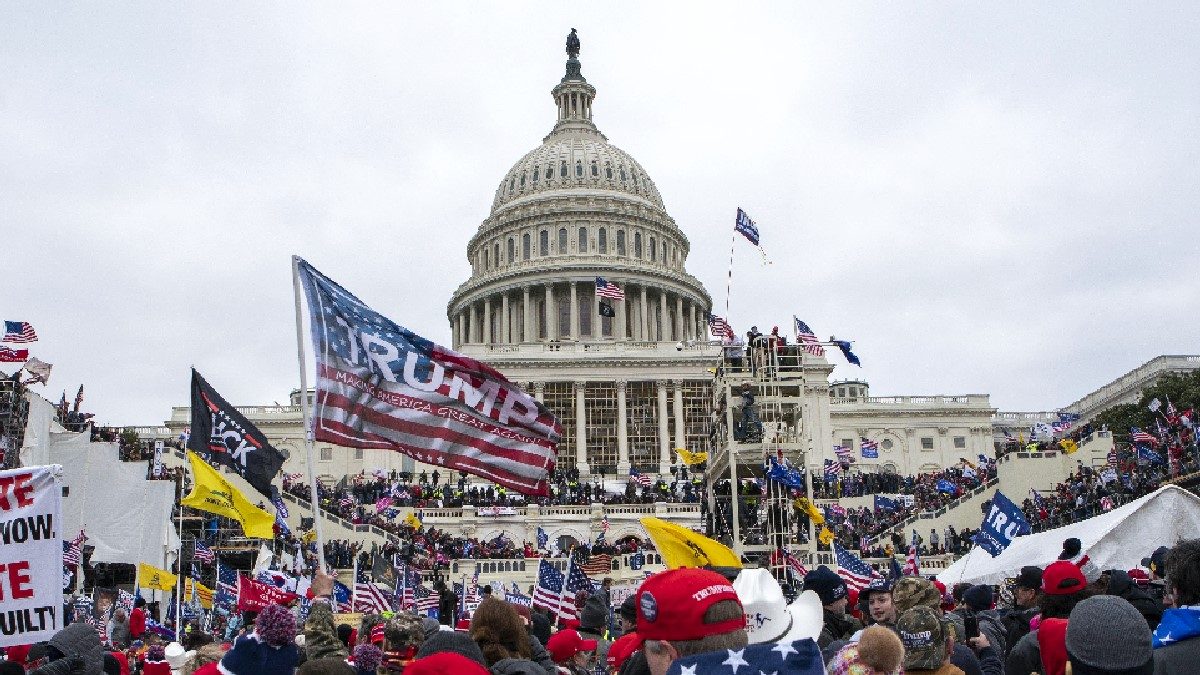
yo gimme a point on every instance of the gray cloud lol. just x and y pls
(985, 201)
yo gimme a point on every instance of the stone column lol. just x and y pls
(456, 329)
(487, 321)
(622, 430)
(539, 391)
(645, 317)
(664, 435)
(574, 310)
(679, 334)
(551, 314)
(581, 428)
(470, 323)
(506, 330)
(680, 437)
(664, 318)
(692, 322)
(620, 321)
(526, 324)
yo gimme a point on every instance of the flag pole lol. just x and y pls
(179, 566)
(307, 415)
(729, 280)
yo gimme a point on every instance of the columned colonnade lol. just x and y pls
(647, 314)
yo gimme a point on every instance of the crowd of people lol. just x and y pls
(1065, 617)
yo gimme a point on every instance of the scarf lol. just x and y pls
(1052, 640)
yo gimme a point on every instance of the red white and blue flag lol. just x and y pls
(852, 569)
(18, 331)
(912, 566)
(639, 477)
(806, 337)
(379, 385)
(607, 289)
(719, 327)
(203, 553)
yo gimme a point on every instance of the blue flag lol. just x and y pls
(885, 503)
(745, 227)
(946, 486)
(542, 538)
(844, 345)
(1146, 455)
(637, 561)
(786, 475)
(1003, 523)
(869, 449)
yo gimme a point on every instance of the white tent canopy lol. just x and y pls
(1119, 539)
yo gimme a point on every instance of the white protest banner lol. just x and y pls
(31, 552)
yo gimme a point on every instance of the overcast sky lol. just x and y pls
(985, 200)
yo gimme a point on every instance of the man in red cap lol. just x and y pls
(1044, 650)
(571, 652)
(688, 611)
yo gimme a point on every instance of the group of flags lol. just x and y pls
(556, 592)
(21, 333)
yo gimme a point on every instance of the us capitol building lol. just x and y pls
(632, 387)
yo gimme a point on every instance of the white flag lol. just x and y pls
(1154, 405)
(39, 371)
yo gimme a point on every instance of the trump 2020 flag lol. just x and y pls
(1003, 523)
(379, 385)
(222, 435)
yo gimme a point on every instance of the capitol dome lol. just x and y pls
(572, 210)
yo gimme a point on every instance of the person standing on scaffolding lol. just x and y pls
(752, 339)
(751, 426)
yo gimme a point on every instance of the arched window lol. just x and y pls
(579, 169)
(583, 240)
(562, 240)
(602, 241)
(549, 171)
(633, 174)
(562, 169)
(537, 172)
(511, 184)
(544, 243)
(496, 255)
(595, 169)
(653, 250)
(525, 246)
(608, 171)
(637, 244)
(485, 258)
(622, 174)
(522, 181)
(512, 250)
(620, 242)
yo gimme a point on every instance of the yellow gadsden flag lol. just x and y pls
(212, 493)
(691, 458)
(825, 536)
(680, 547)
(150, 576)
(1069, 446)
(411, 520)
(203, 593)
(814, 513)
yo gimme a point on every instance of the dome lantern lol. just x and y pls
(573, 95)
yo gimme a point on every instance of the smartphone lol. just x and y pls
(972, 626)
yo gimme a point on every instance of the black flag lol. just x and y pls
(223, 435)
(607, 309)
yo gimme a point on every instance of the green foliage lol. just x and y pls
(129, 438)
(1183, 390)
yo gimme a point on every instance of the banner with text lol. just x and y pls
(254, 595)
(30, 554)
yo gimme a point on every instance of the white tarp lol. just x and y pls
(38, 425)
(126, 517)
(1118, 539)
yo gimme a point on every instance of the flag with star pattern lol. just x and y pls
(769, 658)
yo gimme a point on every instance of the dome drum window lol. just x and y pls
(544, 243)
(562, 240)
(602, 241)
(637, 245)
(620, 242)
(579, 169)
(583, 242)
(562, 169)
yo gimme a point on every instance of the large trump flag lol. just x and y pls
(380, 385)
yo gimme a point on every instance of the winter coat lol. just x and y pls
(1178, 658)
(82, 653)
(837, 627)
(118, 633)
(519, 667)
(539, 655)
(1016, 624)
(1120, 585)
(1025, 657)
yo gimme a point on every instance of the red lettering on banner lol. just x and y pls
(19, 487)
(17, 581)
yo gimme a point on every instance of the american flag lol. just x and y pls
(607, 289)
(869, 448)
(346, 502)
(1138, 436)
(851, 569)
(639, 477)
(73, 550)
(1112, 457)
(832, 468)
(843, 453)
(549, 590)
(18, 331)
(806, 337)
(427, 600)
(227, 584)
(204, 553)
(281, 508)
(912, 565)
(746, 227)
(600, 564)
(370, 598)
(380, 385)
(793, 563)
(719, 327)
